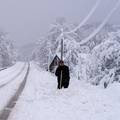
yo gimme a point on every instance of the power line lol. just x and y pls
(83, 21)
(102, 24)
(86, 18)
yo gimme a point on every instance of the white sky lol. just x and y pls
(27, 20)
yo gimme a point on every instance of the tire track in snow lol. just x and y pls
(11, 104)
(12, 79)
(3, 69)
(7, 67)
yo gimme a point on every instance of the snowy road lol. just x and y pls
(10, 76)
(10, 105)
(40, 100)
(10, 81)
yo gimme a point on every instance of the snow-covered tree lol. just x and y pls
(41, 52)
(7, 51)
(96, 61)
(105, 62)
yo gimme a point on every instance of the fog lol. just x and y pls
(27, 20)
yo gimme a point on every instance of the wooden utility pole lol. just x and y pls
(62, 49)
(49, 61)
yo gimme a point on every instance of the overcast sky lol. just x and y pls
(27, 20)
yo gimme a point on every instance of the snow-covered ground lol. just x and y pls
(41, 100)
(11, 75)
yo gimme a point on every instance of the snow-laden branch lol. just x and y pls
(102, 24)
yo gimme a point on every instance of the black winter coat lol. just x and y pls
(65, 73)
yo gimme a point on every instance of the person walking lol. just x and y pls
(63, 76)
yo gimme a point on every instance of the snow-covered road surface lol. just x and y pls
(10, 105)
(41, 100)
(12, 75)
(8, 90)
(10, 70)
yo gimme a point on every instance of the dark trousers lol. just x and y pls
(63, 84)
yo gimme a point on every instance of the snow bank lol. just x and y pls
(81, 101)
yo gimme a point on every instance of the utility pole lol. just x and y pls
(49, 61)
(62, 34)
(62, 49)
(49, 56)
